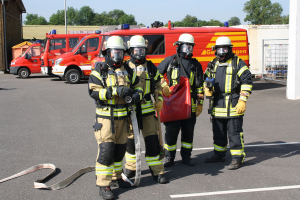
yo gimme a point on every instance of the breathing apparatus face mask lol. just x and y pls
(138, 53)
(187, 49)
(116, 55)
(222, 52)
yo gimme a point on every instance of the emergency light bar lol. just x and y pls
(97, 32)
(123, 26)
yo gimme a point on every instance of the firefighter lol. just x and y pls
(109, 83)
(232, 88)
(150, 79)
(190, 68)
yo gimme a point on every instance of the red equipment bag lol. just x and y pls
(177, 106)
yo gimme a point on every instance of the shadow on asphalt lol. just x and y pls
(266, 85)
(31, 77)
(8, 88)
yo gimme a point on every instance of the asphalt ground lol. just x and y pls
(45, 120)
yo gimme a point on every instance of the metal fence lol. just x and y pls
(275, 59)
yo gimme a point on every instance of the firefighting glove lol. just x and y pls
(207, 92)
(240, 107)
(167, 91)
(136, 97)
(199, 109)
(158, 105)
(123, 91)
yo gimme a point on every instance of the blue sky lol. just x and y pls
(147, 12)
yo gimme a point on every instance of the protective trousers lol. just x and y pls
(232, 126)
(111, 150)
(187, 134)
(152, 147)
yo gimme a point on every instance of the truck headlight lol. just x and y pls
(12, 63)
(58, 61)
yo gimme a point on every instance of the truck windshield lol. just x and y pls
(78, 44)
(29, 49)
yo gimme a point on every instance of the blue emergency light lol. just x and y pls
(225, 24)
(97, 32)
(124, 26)
(53, 32)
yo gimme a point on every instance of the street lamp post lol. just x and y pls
(65, 18)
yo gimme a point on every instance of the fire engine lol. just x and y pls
(28, 62)
(160, 45)
(55, 45)
(76, 64)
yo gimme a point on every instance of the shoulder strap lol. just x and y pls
(184, 71)
(128, 69)
(150, 70)
(235, 78)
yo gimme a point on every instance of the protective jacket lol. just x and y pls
(192, 70)
(230, 79)
(114, 77)
(150, 80)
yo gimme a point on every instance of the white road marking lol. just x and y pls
(252, 145)
(235, 191)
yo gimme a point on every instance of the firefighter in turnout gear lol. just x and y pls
(182, 64)
(150, 80)
(232, 88)
(109, 83)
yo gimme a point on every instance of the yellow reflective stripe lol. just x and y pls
(148, 110)
(110, 80)
(114, 91)
(234, 44)
(118, 166)
(164, 84)
(236, 152)
(228, 79)
(156, 76)
(104, 170)
(133, 77)
(160, 98)
(174, 76)
(230, 33)
(117, 112)
(170, 148)
(155, 163)
(111, 101)
(102, 94)
(96, 74)
(207, 72)
(130, 157)
(201, 102)
(246, 87)
(187, 145)
(232, 38)
(152, 158)
(147, 89)
(194, 106)
(138, 88)
(240, 72)
(215, 69)
(219, 148)
(243, 98)
(191, 78)
(218, 114)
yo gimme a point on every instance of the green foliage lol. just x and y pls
(263, 12)
(192, 21)
(234, 21)
(286, 19)
(85, 16)
(34, 19)
(57, 18)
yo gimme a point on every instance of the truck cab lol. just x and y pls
(76, 64)
(27, 63)
(56, 45)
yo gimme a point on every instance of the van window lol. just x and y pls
(156, 44)
(57, 43)
(90, 45)
(36, 51)
(73, 42)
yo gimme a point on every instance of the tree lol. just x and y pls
(116, 15)
(234, 21)
(262, 12)
(214, 22)
(85, 16)
(127, 19)
(57, 18)
(189, 21)
(34, 19)
(286, 19)
(71, 16)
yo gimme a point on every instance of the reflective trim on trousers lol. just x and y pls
(170, 148)
(186, 145)
(219, 148)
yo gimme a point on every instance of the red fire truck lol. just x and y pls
(161, 46)
(55, 45)
(27, 63)
(76, 64)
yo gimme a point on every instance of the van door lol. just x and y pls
(89, 50)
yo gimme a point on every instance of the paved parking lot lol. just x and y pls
(45, 120)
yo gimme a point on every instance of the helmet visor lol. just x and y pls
(116, 54)
(139, 52)
(186, 48)
(222, 51)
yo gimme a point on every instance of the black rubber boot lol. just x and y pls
(114, 184)
(169, 162)
(214, 158)
(161, 179)
(234, 165)
(123, 184)
(188, 161)
(129, 173)
(106, 193)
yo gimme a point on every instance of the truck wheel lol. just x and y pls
(23, 73)
(73, 76)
